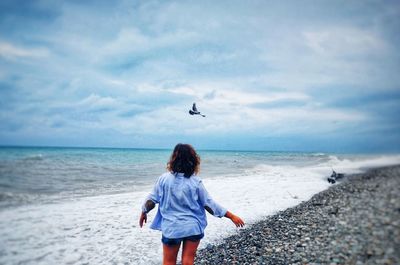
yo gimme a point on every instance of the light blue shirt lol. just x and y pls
(181, 202)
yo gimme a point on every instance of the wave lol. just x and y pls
(322, 168)
(358, 164)
(52, 180)
(13, 199)
(6, 196)
(37, 157)
(318, 154)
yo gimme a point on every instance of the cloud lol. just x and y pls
(132, 41)
(341, 42)
(131, 70)
(9, 51)
(96, 102)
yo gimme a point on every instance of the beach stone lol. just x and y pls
(353, 222)
(269, 250)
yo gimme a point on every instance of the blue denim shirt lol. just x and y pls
(181, 202)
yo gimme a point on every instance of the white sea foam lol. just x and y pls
(104, 229)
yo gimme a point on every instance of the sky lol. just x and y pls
(318, 76)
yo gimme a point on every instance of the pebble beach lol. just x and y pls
(356, 221)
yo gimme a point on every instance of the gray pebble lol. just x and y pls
(353, 222)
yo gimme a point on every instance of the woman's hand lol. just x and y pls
(235, 219)
(148, 206)
(143, 218)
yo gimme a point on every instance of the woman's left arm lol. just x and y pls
(209, 204)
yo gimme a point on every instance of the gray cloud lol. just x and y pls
(258, 69)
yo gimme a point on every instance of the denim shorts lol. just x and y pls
(176, 241)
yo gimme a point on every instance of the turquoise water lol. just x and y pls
(49, 173)
(29, 172)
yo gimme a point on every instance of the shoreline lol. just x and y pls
(356, 221)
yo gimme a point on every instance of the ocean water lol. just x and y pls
(82, 205)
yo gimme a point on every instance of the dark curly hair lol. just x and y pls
(184, 159)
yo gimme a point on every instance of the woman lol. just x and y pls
(182, 200)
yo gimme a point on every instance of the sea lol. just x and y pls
(62, 205)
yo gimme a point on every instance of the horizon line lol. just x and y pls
(199, 149)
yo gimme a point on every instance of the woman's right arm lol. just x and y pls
(147, 207)
(150, 202)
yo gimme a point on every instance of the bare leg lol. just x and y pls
(189, 251)
(170, 252)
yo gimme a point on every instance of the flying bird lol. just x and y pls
(194, 111)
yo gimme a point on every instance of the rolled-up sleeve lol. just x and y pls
(206, 201)
(154, 195)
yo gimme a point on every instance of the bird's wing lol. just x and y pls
(194, 107)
